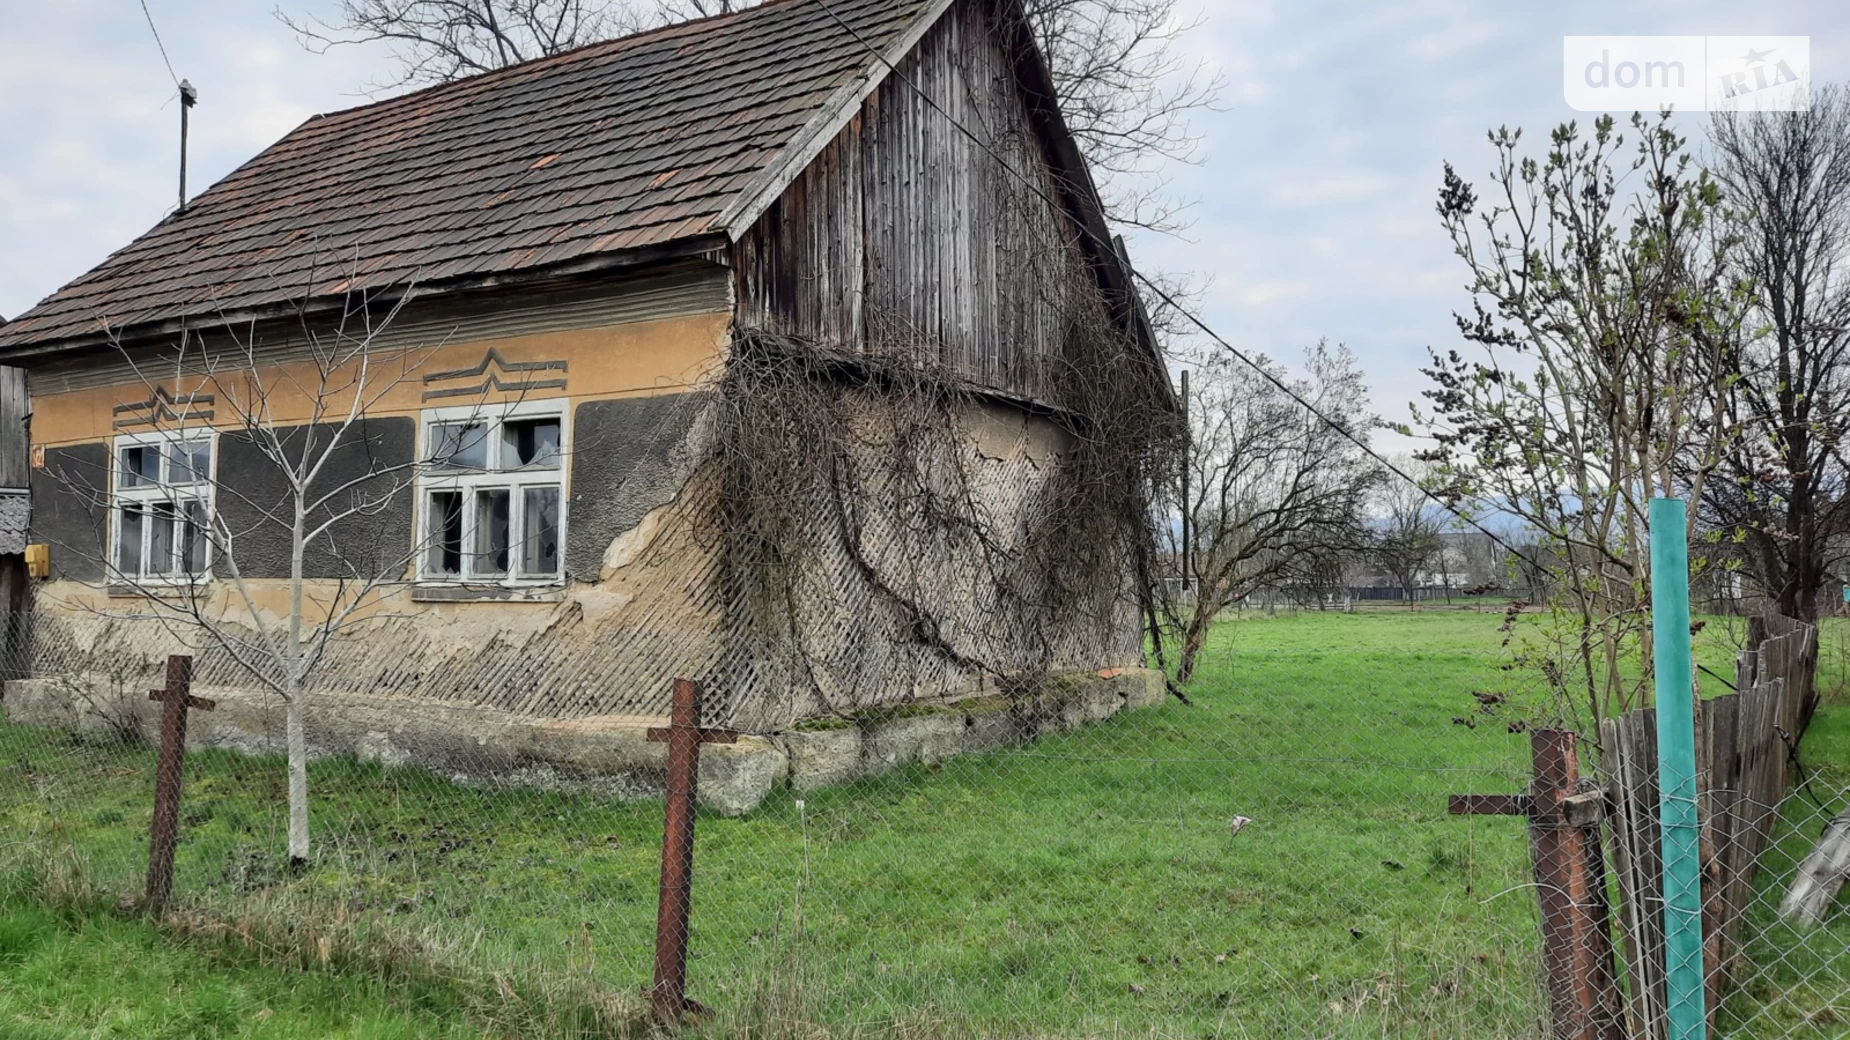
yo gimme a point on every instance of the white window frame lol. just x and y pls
(162, 490)
(432, 478)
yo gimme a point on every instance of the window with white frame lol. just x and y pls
(161, 505)
(491, 494)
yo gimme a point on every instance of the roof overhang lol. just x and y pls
(712, 246)
(828, 123)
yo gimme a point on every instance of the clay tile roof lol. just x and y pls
(618, 147)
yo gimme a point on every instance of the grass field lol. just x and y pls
(1088, 884)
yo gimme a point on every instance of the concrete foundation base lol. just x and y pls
(608, 755)
(826, 752)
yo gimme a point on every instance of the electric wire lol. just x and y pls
(149, 15)
(1168, 300)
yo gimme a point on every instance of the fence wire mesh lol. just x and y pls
(1274, 857)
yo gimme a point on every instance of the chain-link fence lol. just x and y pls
(1272, 856)
(1789, 976)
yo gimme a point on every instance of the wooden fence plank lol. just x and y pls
(1745, 743)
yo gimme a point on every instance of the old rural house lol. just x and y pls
(717, 351)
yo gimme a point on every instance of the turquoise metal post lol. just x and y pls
(1676, 770)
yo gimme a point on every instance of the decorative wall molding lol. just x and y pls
(162, 407)
(493, 366)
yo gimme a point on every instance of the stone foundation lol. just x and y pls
(608, 755)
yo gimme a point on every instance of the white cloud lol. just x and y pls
(1263, 294)
(1346, 187)
(1456, 39)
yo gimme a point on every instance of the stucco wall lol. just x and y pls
(648, 596)
(630, 457)
(69, 508)
(256, 505)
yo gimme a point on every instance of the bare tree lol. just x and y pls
(1126, 89)
(1407, 531)
(1274, 491)
(195, 540)
(1602, 320)
(1786, 492)
(435, 41)
(1128, 94)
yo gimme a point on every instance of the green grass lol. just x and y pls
(1796, 982)
(96, 975)
(1083, 884)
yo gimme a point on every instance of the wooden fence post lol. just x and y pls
(175, 698)
(1570, 877)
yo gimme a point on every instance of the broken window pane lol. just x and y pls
(459, 445)
(189, 461)
(141, 465)
(128, 540)
(193, 543)
(160, 537)
(444, 556)
(539, 525)
(530, 443)
(491, 532)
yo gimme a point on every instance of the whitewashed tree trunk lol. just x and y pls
(297, 740)
(292, 653)
(1820, 877)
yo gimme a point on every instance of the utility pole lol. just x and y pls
(188, 98)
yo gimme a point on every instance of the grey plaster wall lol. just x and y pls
(629, 456)
(69, 509)
(371, 544)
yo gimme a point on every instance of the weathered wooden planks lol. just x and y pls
(1629, 764)
(15, 409)
(907, 240)
(1746, 743)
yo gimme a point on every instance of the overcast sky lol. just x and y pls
(1315, 190)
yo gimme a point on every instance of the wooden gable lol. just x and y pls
(904, 235)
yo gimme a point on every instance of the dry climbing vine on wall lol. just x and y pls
(876, 552)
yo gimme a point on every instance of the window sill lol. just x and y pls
(157, 590)
(487, 594)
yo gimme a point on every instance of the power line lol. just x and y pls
(1167, 299)
(149, 15)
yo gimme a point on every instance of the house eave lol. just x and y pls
(710, 245)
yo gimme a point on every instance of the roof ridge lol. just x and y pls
(613, 45)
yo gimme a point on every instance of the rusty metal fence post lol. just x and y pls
(668, 998)
(175, 699)
(1570, 878)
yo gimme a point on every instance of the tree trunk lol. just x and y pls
(1820, 876)
(297, 740)
(296, 684)
(1207, 607)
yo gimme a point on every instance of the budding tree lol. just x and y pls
(1601, 321)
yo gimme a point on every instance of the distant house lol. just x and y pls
(614, 258)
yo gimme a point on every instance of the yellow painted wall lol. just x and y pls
(658, 356)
